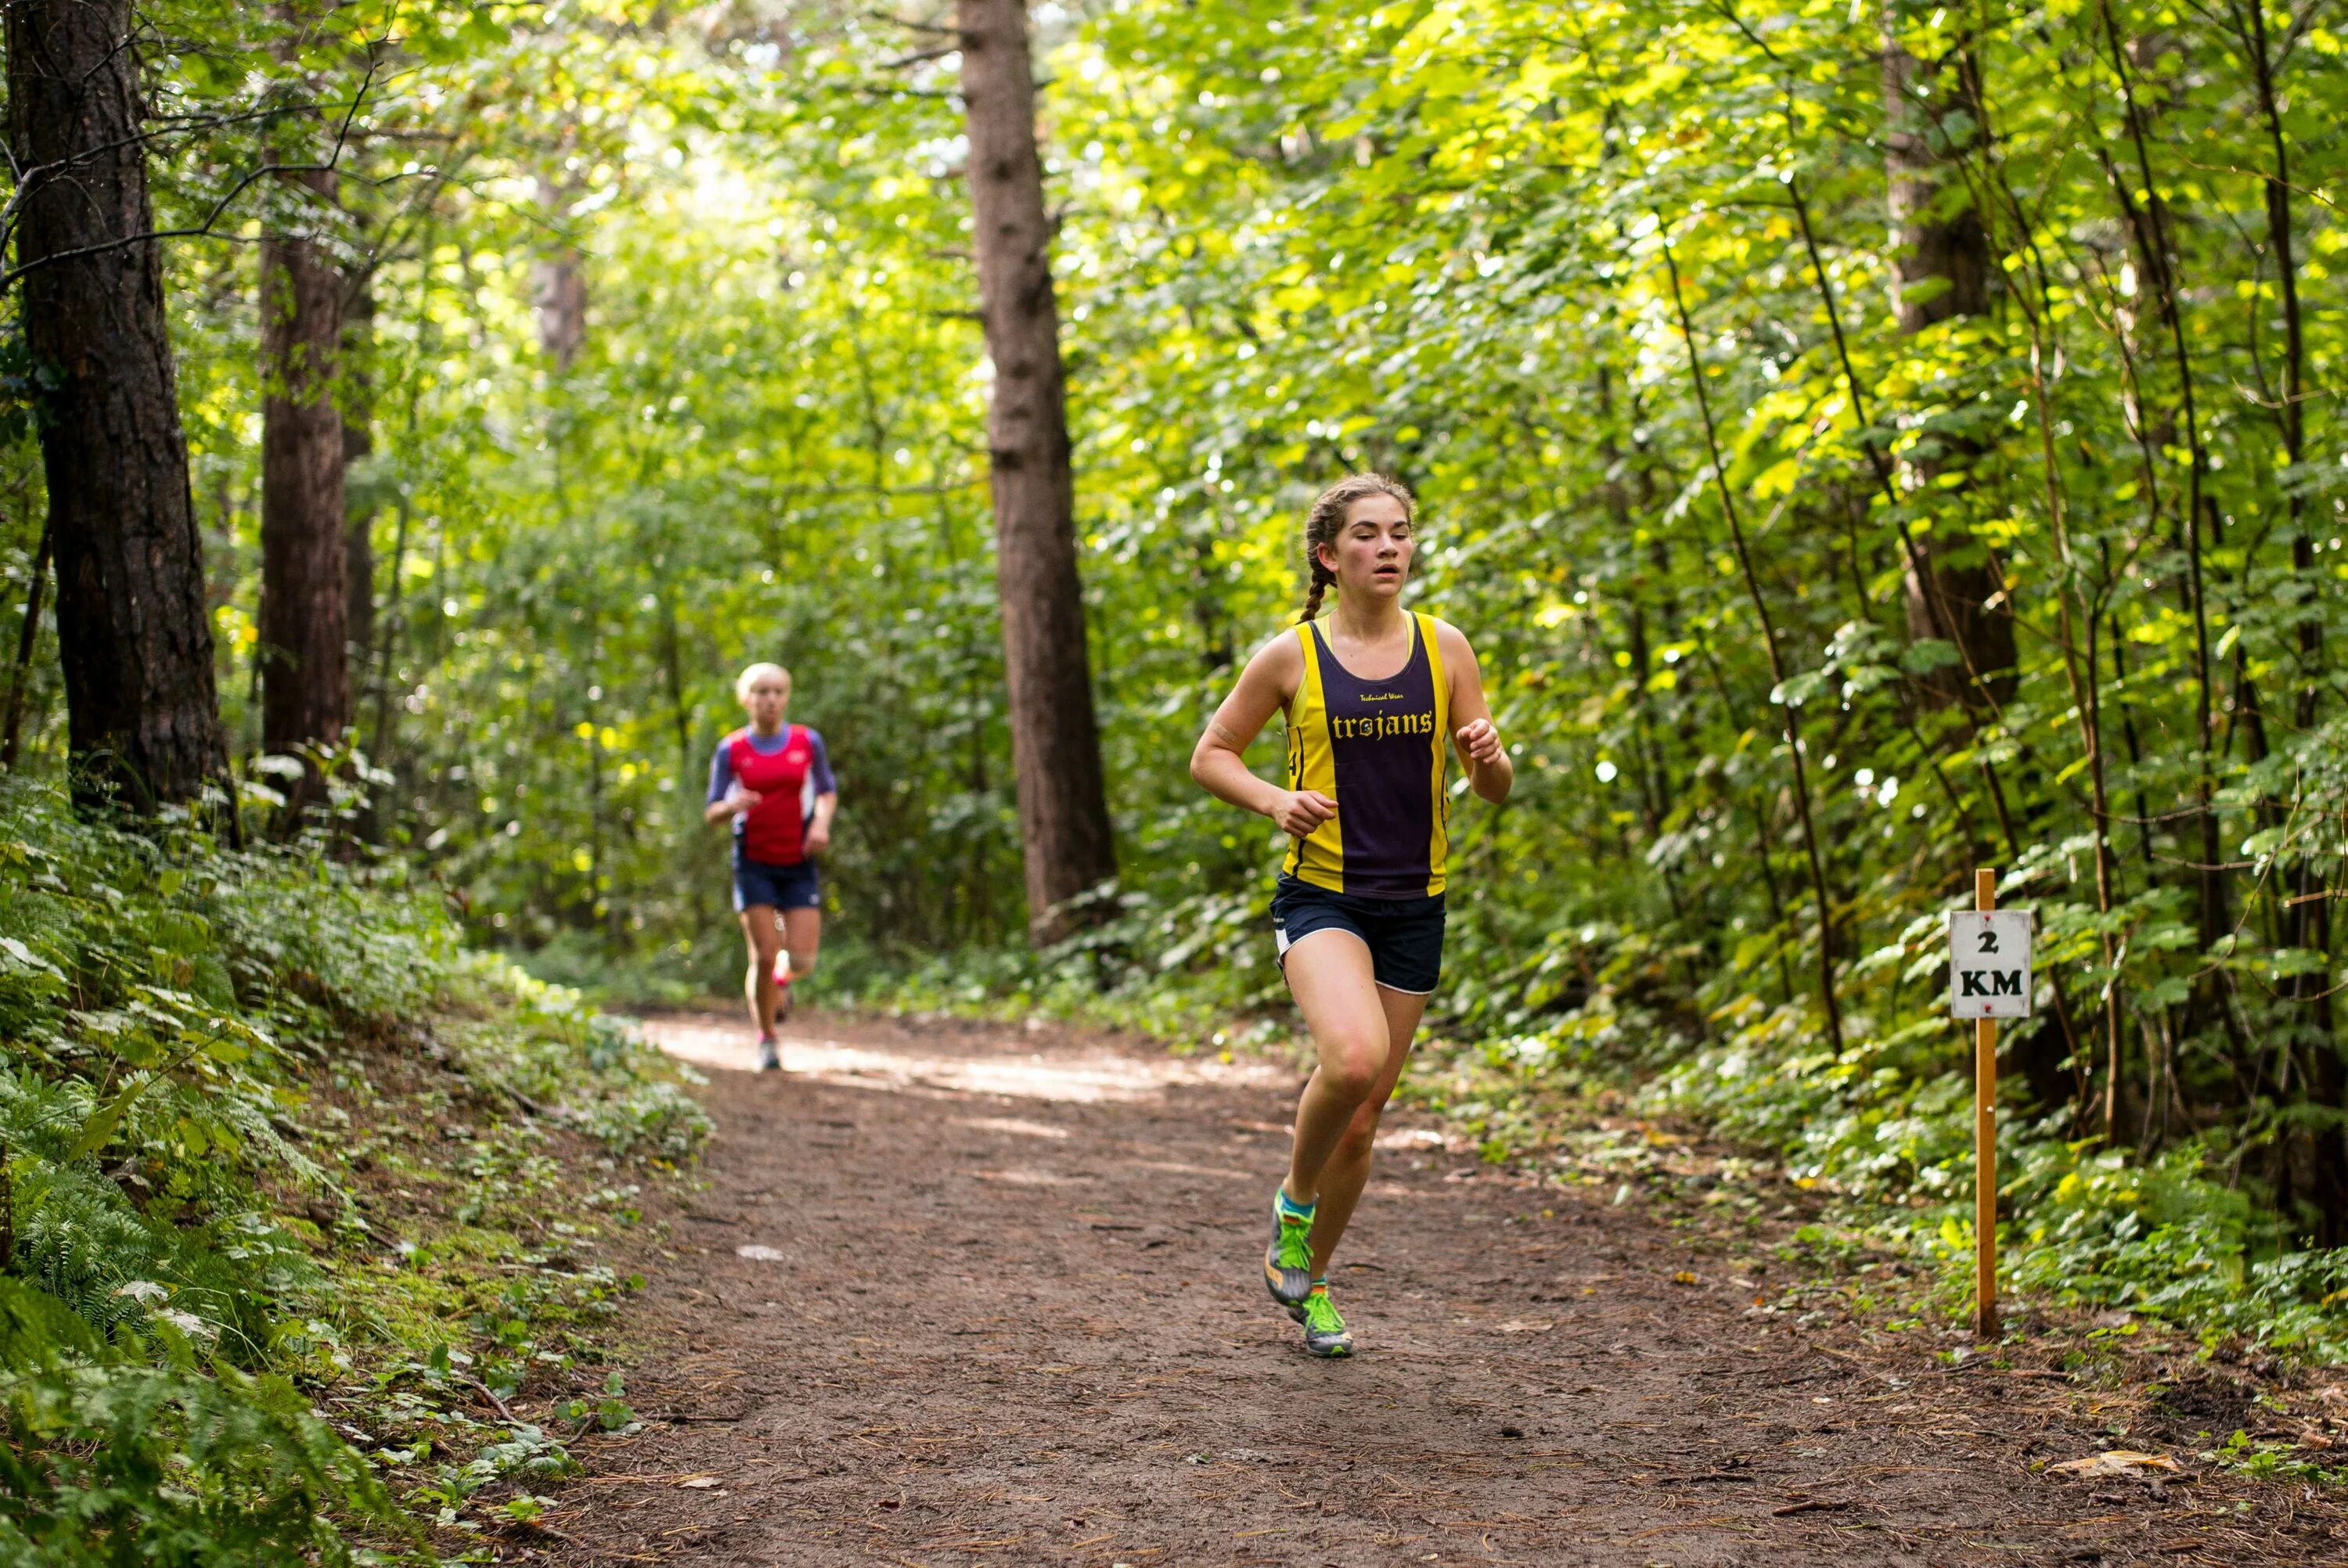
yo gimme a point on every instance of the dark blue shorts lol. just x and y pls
(782, 886)
(1405, 935)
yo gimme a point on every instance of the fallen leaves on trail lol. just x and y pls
(2118, 1461)
(757, 1254)
(1684, 1277)
(703, 1482)
(1526, 1326)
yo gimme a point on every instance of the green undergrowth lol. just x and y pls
(299, 1250)
(2083, 1230)
(1196, 974)
(1569, 1050)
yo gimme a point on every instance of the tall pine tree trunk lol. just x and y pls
(305, 698)
(134, 637)
(1055, 744)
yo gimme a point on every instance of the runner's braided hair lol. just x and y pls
(1328, 516)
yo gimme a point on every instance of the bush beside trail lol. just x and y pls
(293, 1219)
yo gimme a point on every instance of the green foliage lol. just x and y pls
(174, 1007)
(153, 992)
(116, 1464)
(2165, 1236)
(631, 1106)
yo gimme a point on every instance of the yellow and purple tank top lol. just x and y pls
(1376, 748)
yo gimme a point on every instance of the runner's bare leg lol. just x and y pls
(764, 939)
(1329, 974)
(803, 935)
(1348, 1170)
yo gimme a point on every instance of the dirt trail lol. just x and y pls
(959, 1296)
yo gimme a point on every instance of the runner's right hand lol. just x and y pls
(743, 800)
(1299, 811)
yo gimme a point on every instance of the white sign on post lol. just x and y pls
(1989, 963)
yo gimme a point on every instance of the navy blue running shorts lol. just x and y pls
(782, 886)
(1405, 935)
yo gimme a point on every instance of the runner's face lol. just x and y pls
(767, 701)
(1371, 554)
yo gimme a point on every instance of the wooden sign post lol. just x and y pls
(1989, 978)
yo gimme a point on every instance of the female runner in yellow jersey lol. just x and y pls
(1375, 697)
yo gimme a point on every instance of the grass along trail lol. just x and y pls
(958, 1293)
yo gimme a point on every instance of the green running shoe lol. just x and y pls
(1288, 1260)
(1326, 1332)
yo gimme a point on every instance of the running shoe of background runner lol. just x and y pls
(1326, 1332)
(1288, 1260)
(770, 1055)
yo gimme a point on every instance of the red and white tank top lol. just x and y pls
(773, 831)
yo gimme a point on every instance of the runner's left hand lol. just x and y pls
(1480, 741)
(818, 839)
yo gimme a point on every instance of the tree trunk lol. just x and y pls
(1942, 256)
(359, 506)
(306, 698)
(28, 636)
(561, 287)
(135, 641)
(1055, 744)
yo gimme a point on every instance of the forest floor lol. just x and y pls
(959, 1294)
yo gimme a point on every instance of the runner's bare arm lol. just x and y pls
(1265, 687)
(1489, 773)
(818, 833)
(735, 802)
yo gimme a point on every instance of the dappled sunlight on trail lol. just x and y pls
(1021, 1070)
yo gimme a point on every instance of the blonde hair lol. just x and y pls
(1327, 517)
(756, 673)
